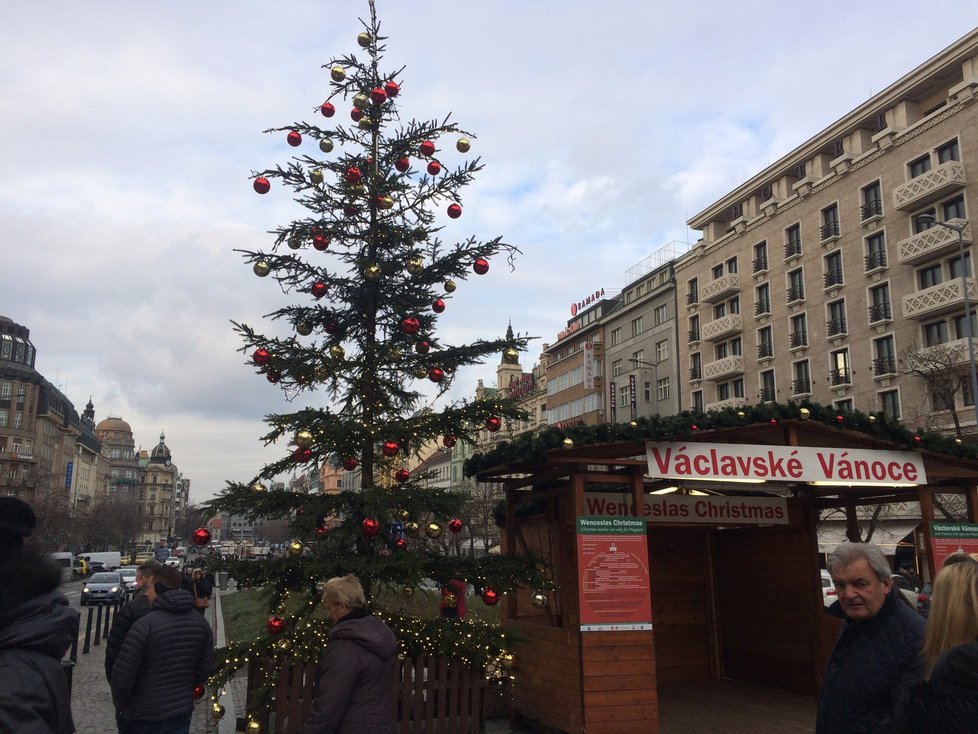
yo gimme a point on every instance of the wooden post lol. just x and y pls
(971, 498)
(926, 498)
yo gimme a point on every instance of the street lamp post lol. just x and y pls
(655, 379)
(969, 331)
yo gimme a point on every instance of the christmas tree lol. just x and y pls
(370, 276)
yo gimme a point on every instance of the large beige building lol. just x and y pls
(818, 276)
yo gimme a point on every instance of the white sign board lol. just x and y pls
(691, 509)
(747, 462)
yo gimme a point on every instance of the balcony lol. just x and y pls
(876, 261)
(795, 293)
(884, 366)
(692, 336)
(938, 299)
(797, 339)
(932, 242)
(792, 249)
(762, 307)
(765, 350)
(841, 376)
(723, 328)
(759, 265)
(836, 327)
(767, 394)
(720, 288)
(692, 298)
(828, 231)
(880, 312)
(695, 373)
(870, 210)
(801, 386)
(931, 186)
(723, 369)
(832, 278)
(728, 403)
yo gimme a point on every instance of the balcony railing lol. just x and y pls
(801, 386)
(933, 242)
(765, 349)
(695, 373)
(872, 208)
(725, 403)
(884, 366)
(876, 260)
(762, 307)
(828, 230)
(840, 376)
(798, 339)
(835, 327)
(880, 312)
(796, 293)
(833, 277)
(692, 336)
(760, 264)
(792, 249)
(938, 299)
(692, 298)
(931, 186)
(767, 394)
(721, 369)
(724, 327)
(719, 288)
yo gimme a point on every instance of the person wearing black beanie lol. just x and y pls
(36, 629)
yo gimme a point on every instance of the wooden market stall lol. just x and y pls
(732, 597)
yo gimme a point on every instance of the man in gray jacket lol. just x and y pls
(164, 656)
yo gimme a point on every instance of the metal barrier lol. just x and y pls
(102, 623)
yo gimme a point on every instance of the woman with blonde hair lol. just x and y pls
(355, 676)
(947, 702)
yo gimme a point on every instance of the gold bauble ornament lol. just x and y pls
(321, 373)
(872, 418)
(262, 268)
(337, 73)
(337, 352)
(633, 424)
(395, 355)
(512, 353)
(805, 413)
(316, 176)
(420, 373)
(568, 443)
(365, 123)
(412, 528)
(217, 711)
(361, 101)
(295, 549)
(363, 39)
(284, 645)
(450, 600)
(403, 515)
(539, 599)
(326, 145)
(303, 328)
(741, 414)
(415, 265)
(507, 660)
(259, 487)
(372, 272)
(433, 530)
(407, 591)
(303, 439)
(385, 202)
(450, 286)
(462, 145)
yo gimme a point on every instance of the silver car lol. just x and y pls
(105, 587)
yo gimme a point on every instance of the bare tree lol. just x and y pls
(943, 369)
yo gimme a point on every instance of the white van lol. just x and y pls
(65, 561)
(111, 559)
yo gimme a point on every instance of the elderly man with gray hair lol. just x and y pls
(877, 654)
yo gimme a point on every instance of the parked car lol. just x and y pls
(104, 587)
(923, 599)
(906, 588)
(829, 594)
(128, 574)
(96, 567)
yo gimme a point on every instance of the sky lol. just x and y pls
(129, 132)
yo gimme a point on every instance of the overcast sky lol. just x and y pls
(129, 131)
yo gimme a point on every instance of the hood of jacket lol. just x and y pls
(368, 631)
(175, 601)
(44, 624)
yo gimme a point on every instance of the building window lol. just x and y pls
(662, 388)
(720, 351)
(948, 152)
(762, 299)
(798, 337)
(792, 239)
(924, 220)
(637, 326)
(616, 368)
(719, 311)
(833, 268)
(624, 398)
(889, 403)
(695, 366)
(732, 265)
(929, 277)
(919, 166)
(661, 350)
(717, 271)
(767, 392)
(759, 264)
(660, 314)
(647, 392)
(839, 374)
(3, 417)
(697, 400)
(802, 382)
(879, 303)
(875, 251)
(830, 222)
(872, 201)
(961, 326)
(694, 329)
(835, 323)
(638, 357)
(692, 292)
(935, 333)
(953, 209)
(884, 359)
(616, 336)
(796, 285)
(765, 343)
(843, 406)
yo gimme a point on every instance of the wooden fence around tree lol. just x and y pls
(431, 696)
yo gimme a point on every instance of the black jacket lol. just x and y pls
(36, 630)
(871, 664)
(164, 655)
(354, 679)
(129, 612)
(948, 702)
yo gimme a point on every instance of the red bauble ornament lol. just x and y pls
(321, 530)
(455, 525)
(480, 266)
(694, 427)
(493, 424)
(438, 306)
(427, 148)
(261, 356)
(302, 455)
(454, 211)
(916, 439)
(839, 419)
(402, 475)
(320, 242)
(490, 597)
(400, 544)
(273, 376)
(402, 164)
(356, 115)
(349, 210)
(391, 88)
(434, 168)
(370, 526)
(449, 441)
(294, 139)
(350, 463)
(318, 289)
(331, 327)
(422, 347)
(261, 185)
(378, 95)
(199, 692)
(275, 626)
(327, 109)
(410, 325)
(774, 421)
(201, 537)
(353, 175)
(390, 448)
(436, 374)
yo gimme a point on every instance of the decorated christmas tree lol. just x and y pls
(359, 357)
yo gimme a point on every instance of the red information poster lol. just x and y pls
(952, 537)
(613, 558)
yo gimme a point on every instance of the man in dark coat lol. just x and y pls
(164, 656)
(36, 630)
(132, 610)
(877, 654)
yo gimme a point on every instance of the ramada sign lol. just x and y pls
(719, 461)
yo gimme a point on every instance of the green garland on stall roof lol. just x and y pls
(532, 448)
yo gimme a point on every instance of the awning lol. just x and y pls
(887, 534)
